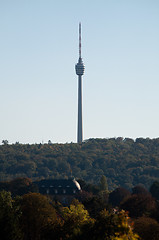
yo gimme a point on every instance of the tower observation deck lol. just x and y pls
(80, 71)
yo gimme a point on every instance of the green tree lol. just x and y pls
(75, 218)
(9, 218)
(103, 184)
(125, 162)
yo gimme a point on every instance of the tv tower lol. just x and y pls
(80, 71)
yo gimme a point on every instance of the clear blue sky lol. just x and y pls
(38, 84)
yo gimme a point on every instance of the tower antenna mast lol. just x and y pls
(80, 71)
(79, 40)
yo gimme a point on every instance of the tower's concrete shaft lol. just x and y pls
(80, 124)
(80, 71)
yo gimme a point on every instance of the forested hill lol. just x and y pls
(124, 162)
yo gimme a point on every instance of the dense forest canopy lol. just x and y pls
(124, 162)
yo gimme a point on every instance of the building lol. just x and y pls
(63, 190)
(80, 71)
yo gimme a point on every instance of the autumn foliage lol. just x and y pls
(36, 217)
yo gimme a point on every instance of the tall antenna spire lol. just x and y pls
(79, 40)
(79, 71)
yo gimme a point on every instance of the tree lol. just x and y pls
(20, 186)
(37, 214)
(75, 218)
(5, 142)
(124, 162)
(95, 205)
(138, 204)
(113, 226)
(154, 190)
(125, 231)
(140, 189)
(118, 195)
(103, 184)
(147, 228)
(155, 212)
(9, 218)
